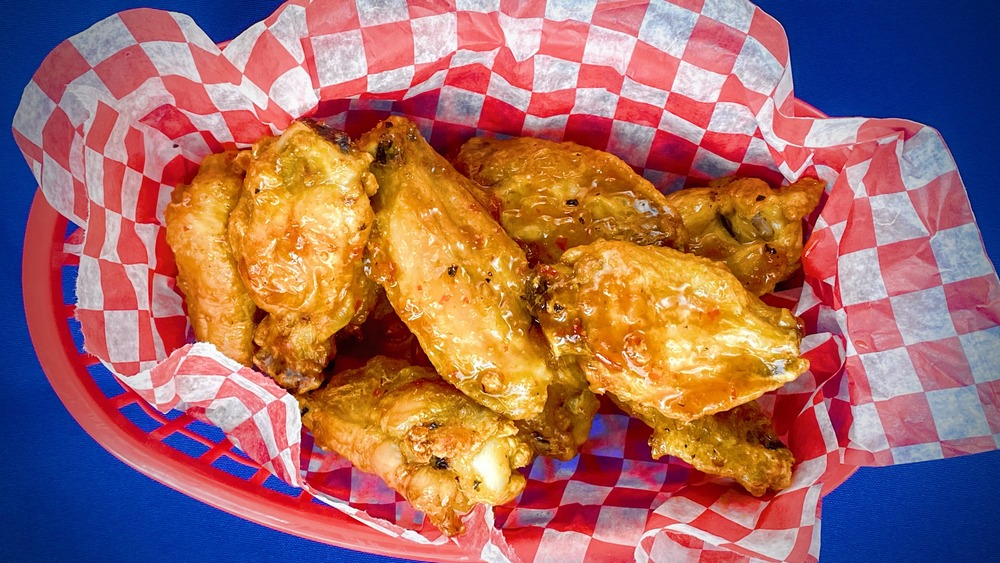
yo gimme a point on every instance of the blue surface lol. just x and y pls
(62, 497)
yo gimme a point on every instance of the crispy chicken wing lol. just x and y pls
(552, 196)
(299, 233)
(755, 230)
(218, 303)
(663, 329)
(458, 282)
(739, 443)
(440, 450)
(452, 275)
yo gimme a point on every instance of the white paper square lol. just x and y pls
(595, 101)
(171, 58)
(390, 80)
(293, 91)
(561, 10)
(891, 374)
(734, 14)
(667, 27)
(523, 35)
(608, 47)
(982, 348)
(565, 547)
(623, 526)
(630, 142)
(640, 92)
(922, 316)
(859, 277)
(506, 92)
(553, 74)
(122, 333)
(917, 452)
(477, 5)
(103, 39)
(867, 431)
(958, 413)
(959, 253)
(340, 57)
(697, 83)
(757, 68)
(459, 106)
(924, 158)
(434, 37)
(895, 219)
(377, 12)
(584, 493)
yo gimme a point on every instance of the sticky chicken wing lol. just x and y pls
(739, 443)
(219, 306)
(453, 276)
(298, 234)
(440, 450)
(551, 196)
(662, 329)
(459, 282)
(755, 230)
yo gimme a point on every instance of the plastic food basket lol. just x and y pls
(175, 449)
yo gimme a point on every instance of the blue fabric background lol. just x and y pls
(62, 497)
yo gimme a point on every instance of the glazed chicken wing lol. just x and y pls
(452, 275)
(739, 443)
(552, 196)
(299, 233)
(218, 303)
(458, 282)
(443, 452)
(662, 329)
(755, 230)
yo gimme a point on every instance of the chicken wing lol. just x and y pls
(218, 303)
(443, 452)
(663, 329)
(739, 443)
(755, 230)
(298, 234)
(453, 276)
(552, 196)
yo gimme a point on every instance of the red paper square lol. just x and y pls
(873, 325)
(732, 146)
(698, 113)
(382, 54)
(598, 76)
(62, 66)
(500, 117)
(671, 153)
(550, 104)
(965, 299)
(268, 60)
(588, 130)
(942, 203)
(770, 34)
(130, 248)
(907, 420)
(908, 266)
(152, 25)
(325, 17)
(726, 43)
(720, 526)
(55, 142)
(564, 39)
(619, 15)
(125, 70)
(652, 66)
(101, 127)
(119, 295)
(940, 364)
(114, 176)
(860, 231)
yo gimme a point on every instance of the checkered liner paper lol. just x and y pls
(900, 300)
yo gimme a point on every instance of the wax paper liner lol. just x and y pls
(902, 304)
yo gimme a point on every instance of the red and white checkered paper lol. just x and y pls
(902, 304)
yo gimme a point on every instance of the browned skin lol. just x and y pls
(218, 304)
(739, 443)
(755, 230)
(662, 329)
(553, 196)
(440, 450)
(458, 282)
(299, 233)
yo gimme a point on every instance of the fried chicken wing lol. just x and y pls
(663, 329)
(755, 230)
(218, 303)
(440, 450)
(299, 233)
(453, 276)
(739, 443)
(551, 196)
(564, 424)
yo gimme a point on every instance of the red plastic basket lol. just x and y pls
(175, 449)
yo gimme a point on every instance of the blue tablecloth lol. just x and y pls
(62, 497)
